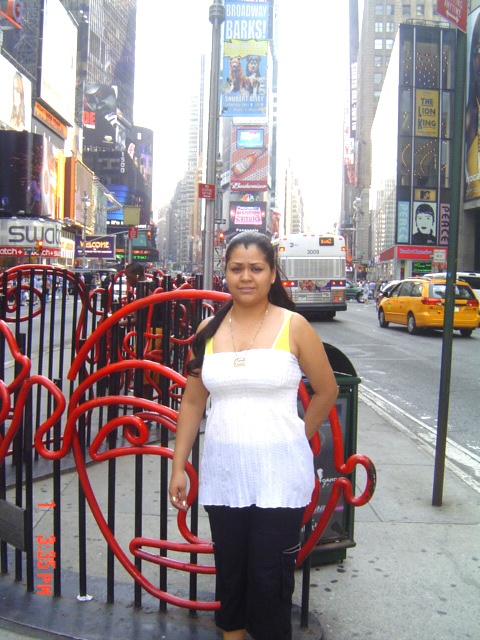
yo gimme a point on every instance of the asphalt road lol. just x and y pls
(401, 374)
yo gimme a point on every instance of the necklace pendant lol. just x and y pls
(239, 361)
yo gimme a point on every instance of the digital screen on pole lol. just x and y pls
(250, 138)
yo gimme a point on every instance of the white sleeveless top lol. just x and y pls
(255, 448)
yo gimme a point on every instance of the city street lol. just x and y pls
(400, 375)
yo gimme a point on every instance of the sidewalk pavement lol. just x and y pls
(414, 573)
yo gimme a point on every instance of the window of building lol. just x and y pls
(427, 67)
(405, 114)
(406, 10)
(378, 43)
(425, 162)
(420, 10)
(379, 9)
(404, 164)
(389, 43)
(445, 164)
(378, 61)
(390, 9)
(390, 27)
(406, 62)
(446, 121)
(448, 60)
(378, 27)
(376, 95)
(377, 78)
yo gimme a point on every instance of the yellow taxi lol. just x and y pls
(419, 303)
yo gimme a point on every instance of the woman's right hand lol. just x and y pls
(178, 490)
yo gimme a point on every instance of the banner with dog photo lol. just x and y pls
(244, 73)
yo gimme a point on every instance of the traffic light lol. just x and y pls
(39, 246)
(221, 237)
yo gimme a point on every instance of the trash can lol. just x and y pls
(338, 535)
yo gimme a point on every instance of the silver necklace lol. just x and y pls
(239, 360)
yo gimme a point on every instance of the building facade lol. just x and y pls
(412, 160)
(370, 58)
(77, 109)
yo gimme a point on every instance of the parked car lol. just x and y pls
(353, 292)
(418, 303)
(384, 290)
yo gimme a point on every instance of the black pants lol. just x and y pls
(255, 554)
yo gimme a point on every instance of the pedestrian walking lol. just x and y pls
(257, 472)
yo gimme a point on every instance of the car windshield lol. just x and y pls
(461, 292)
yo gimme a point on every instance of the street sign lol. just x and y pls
(439, 255)
(133, 232)
(218, 258)
(220, 221)
(455, 11)
(206, 191)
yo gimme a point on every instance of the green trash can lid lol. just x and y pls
(339, 361)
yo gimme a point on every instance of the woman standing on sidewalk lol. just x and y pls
(257, 471)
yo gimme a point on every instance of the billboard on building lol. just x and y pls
(245, 51)
(472, 149)
(247, 216)
(426, 113)
(444, 225)
(424, 223)
(101, 125)
(59, 60)
(31, 172)
(100, 247)
(249, 157)
(15, 97)
(18, 237)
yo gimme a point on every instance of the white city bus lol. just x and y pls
(314, 270)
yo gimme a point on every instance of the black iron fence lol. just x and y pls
(91, 380)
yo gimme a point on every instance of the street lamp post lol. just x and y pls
(86, 204)
(216, 16)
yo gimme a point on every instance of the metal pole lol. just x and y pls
(216, 16)
(86, 204)
(84, 235)
(446, 365)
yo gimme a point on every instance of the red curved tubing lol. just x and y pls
(17, 355)
(114, 545)
(20, 404)
(340, 485)
(182, 547)
(132, 307)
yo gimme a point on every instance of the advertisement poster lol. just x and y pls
(100, 119)
(249, 160)
(245, 49)
(327, 473)
(424, 223)
(29, 174)
(18, 237)
(248, 216)
(444, 225)
(472, 149)
(403, 222)
(426, 113)
(15, 97)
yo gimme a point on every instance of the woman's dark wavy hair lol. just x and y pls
(277, 294)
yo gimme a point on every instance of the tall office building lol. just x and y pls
(184, 240)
